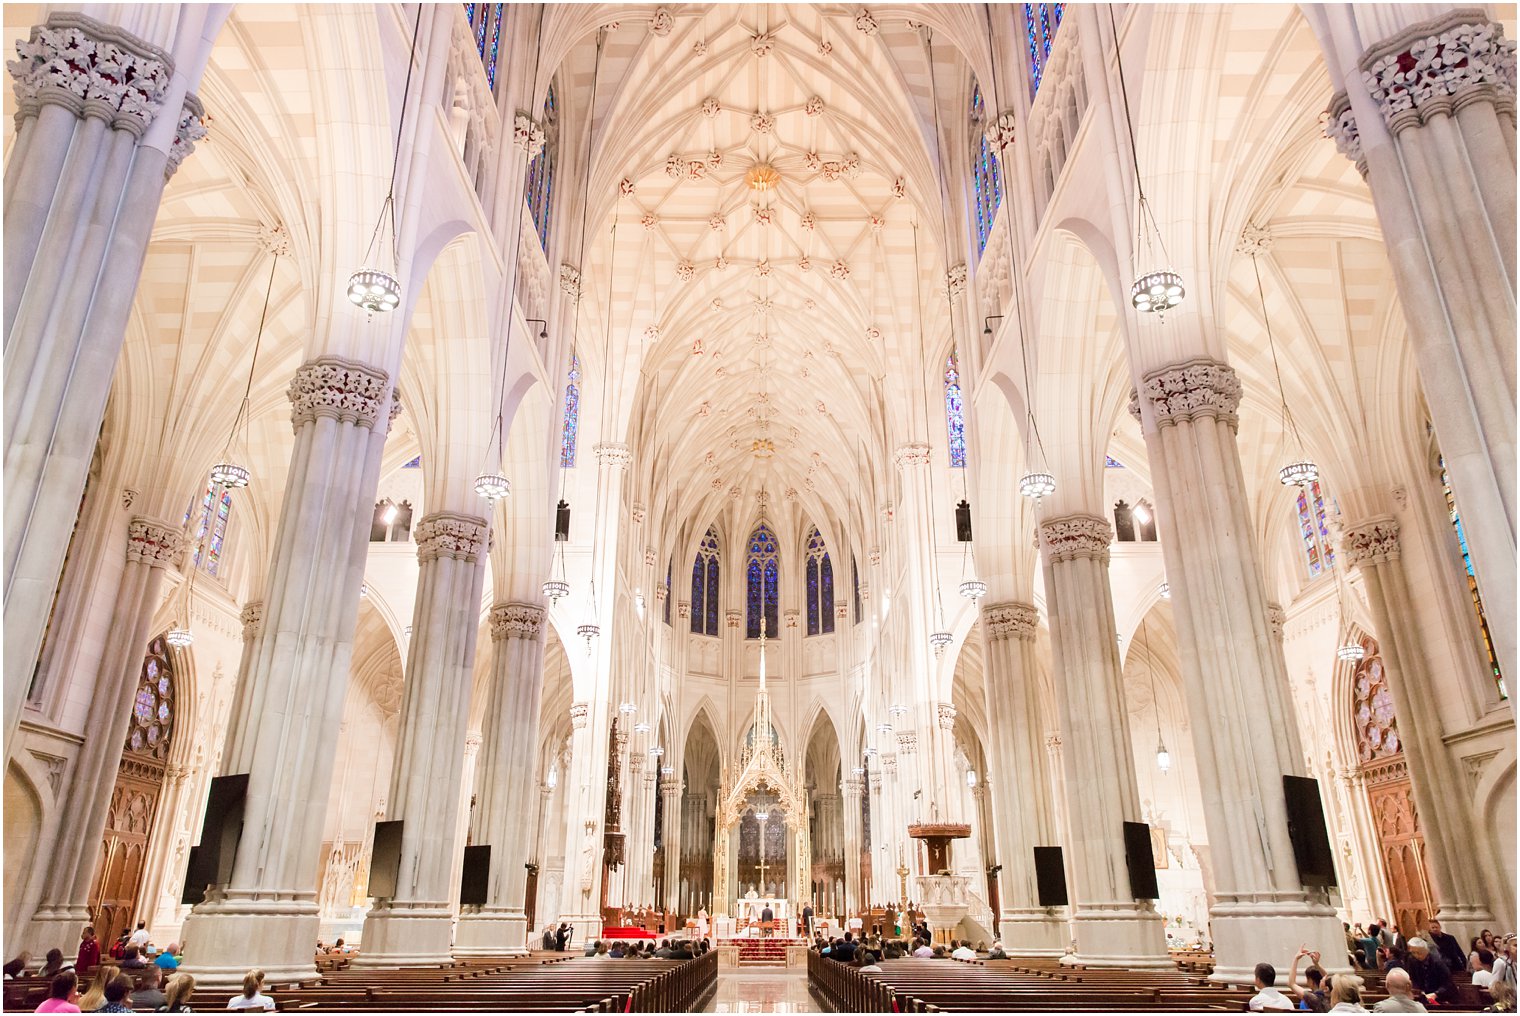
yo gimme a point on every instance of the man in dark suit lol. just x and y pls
(807, 920)
(767, 918)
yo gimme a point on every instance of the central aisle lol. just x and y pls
(780, 990)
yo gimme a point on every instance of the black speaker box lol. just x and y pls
(477, 875)
(1306, 830)
(1141, 860)
(385, 860)
(1050, 876)
(211, 861)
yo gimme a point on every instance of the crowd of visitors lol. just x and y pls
(645, 949)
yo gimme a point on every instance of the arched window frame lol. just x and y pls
(986, 175)
(1314, 529)
(153, 706)
(540, 187)
(570, 428)
(762, 572)
(955, 412)
(485, 25)
(208, 555)
(1040, 24)
(1373, 718)
(705, 583)
(820, 585)
(1474, 596)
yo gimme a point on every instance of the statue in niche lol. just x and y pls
(752, 895)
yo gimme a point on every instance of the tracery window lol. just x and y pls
(986, 176)
(571, 427)
(153, 705)
(1040, 24)
(1472, 579)
(208, 552)
(540, 196)
(704, 587)
(1314, 529)
(955, 417)
(1377, 728)
(820, 586)
(760, 581)
(485, 25)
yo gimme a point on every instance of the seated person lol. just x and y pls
(146, 994)
(1316, 997)
(63, 994)
(844, 951)
(962, 951)
(1400, 994)
(168, 960)
(1346, 993)
(1482, 967)
(133, 958)
(997, 952)
(922, 950)
(253, 996)
(1503, 993)
(118, 994)
(1267, 997)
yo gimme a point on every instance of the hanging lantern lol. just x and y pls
(492, 486)
(1037, 485)
(588, 632)
(178, 637)
(973, 589)
(556, 590)
(939, 640)
(641, 728)
(229, 475)
(1350, 652)
(859, 770)
(884, 729)
(897, 709)
(1163, 757)
(374, 290)
(1297, 474)
(656, 751)
(1157, 292)
(627, 707)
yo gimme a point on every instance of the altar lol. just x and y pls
(749, 908)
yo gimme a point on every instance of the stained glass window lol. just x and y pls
(1314, 529)
(1377, 728)
(414, 464)
(986, 175)
(540, 194)
(855, 581)
(669, 570)
(571, 426)
(1040, 24)
(208, 554)
(485, 26)
(1109, 462)
(955, 420)
(704, 586)
(820, 585)
(153, 705)
(1472, 579)
(760, 581)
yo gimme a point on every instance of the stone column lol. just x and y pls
(1455, 843)
(852, 787)
(670, 801)
(1112, 928)
(1232, 672)
(1021, 813)
(1428, 117)
(584, 802)
(152, 545)
(415, 927)
(507, 771)
(283, 731)
(103, 119)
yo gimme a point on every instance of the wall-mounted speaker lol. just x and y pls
(963, 522)
(1141, 858)
(385, 860)
(1306, 830)
(477, 875)
(562, 522)
(211, 860)
(1050, 876)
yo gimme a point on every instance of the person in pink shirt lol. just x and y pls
(64, 995)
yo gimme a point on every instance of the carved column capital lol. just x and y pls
(955, 279)
(253, 619)
(527, 134)
(153, 541)
(472, 744)
(1053, 743)
(1276, 619)
(1193, 389)
(670, 786)
(731, 617)
(346, 390)
(876, 778)
(1002, 132)
(192, 127)
(1076, 536)
(579, 712)
(1372, 541)
(853, 787)
(945, 712)
(449, 534)
(907, 742)
(613, 455)
(1011, 620)
(912, 454)
(517, 621)
(93, 69)
(1340, 127)
(1438, 66)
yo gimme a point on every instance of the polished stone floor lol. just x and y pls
(763, 991)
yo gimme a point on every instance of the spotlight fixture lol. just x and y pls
(762, 176)
(987, 323)
(543, 326)
(1165, 591)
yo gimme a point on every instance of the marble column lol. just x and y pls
(584, 807)
(852, 788)
(507, 771)
(670, 801)
(415, 927)
(1232, 673)
(103, 118)
(1021, 812)
(284, 729)
(152, 545)
(1112, 928)
(1427, 114)
(1459, 860)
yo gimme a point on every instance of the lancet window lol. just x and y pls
(1040, 24)
(1314, 529)
(1472, 579)
(761, 577)
(485, 25)
(572, 422)
(704, 587)
(986, 176)
(540, 194)
(955, 418)
(820, 586)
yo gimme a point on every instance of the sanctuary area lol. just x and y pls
(791, 506)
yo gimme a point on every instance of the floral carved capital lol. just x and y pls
(346, 390)
(517, 621)
(252, 617)
(1373, 541)
(1438, 66)
(1011, 620)
(447, 534)
(154, 542)
(1191, 390)
(1072, 537)
(93, 69)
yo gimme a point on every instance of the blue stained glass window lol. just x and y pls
(1109, 462)
(1314, 529)
(541, 171)
(669, 569)
(760, 581)
(855, 581)
(572, 415)
(986, 174)
(485, 24)
(704, 586)
(1040, 24)
(955, 420)
(217, 526)
(414, 464)
(1472, 579)
(820, 585)
(495, 47)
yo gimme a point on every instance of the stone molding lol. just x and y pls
(252, 617)
(472, 743)
(1071, 537)
(1340, 127)
(1373, 541)
(1277, 618)
(914, 454)
(1010, 620)
(579, 712)
(154, 542)
(570, 280)
(1182, 392)
(876, 778)
(517, 621)
(93, 69)
(662, 22)
(346, 390)
(1254, 240)
(852, 786)
(635, 762)
(731, 618)
(613, 455)
(637, 513)
(670, 787)
(946, 713)
(395, 410)
(1002, 132)
(448, 534)
(192, 127)
(1438, 66)
(527, 134)
(683, 608)
(907, 742)
(955, 279)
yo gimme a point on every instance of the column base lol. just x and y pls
(490, 933)
(1247, 930)
(406, 935)
(54, 927)
(1119, 935)
(584, 928)
(225, 938)
(1465, 920)
(1034, 932)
